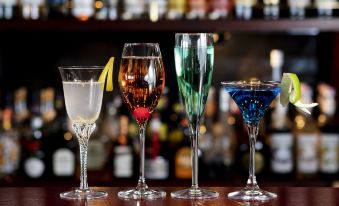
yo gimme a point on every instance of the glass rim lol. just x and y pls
(249, 83)
(80, 67)
(142, 43)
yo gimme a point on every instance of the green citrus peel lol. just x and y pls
(291, 93)
(107, 76)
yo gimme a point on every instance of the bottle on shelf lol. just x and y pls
(133, 9)
(58, 9)
(7, 8)
(10, 149)
(325, 7)
(307, 140)
(298, 8)
(197, 9)
(244, 8)
(176, 9)
(33, 9)
(220, 9)
(329, 137)
(106, 9)
(123, 151)
(156, 9)
(83, 10)
(271, 9)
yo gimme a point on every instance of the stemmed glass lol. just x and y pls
(253, 98)
(194, 57)
(83, 97)
(141, 80)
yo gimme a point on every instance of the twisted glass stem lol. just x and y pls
(83, 132)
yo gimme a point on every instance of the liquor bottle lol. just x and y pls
(63, 157)
(133, 9)
(298, 8)
(244, 8)
(83, 10)
(196, 9)
(329, 137)
(57, 9)
(33, 163)
(307, 140)
(156, 165)
(271, 9)
(176, 9)
(156, 9)
(325, 7)
(220, 9)
(7, 8)
(106, 9)
(123, 152)
(9, 146)
(33, 9)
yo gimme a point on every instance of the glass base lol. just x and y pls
(83, 194)
(138, 194)
(194, 193)
(252, 194)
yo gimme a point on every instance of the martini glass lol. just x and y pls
(83, 97)
(141, 80)
(194, 57)
(253, 99)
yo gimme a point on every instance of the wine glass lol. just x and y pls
(194, 56)
(253, 99)
(141, 80)
(83, 97)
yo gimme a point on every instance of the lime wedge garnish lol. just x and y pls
(291, 92)
(107, 75)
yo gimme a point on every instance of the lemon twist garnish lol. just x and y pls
(107, 75)
(291, 92)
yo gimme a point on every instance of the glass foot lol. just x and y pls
(137, 194)
(194, 193)
(83, 194)
(252, 194)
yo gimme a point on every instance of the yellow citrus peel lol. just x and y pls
(107, 75)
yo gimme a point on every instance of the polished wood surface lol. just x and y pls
(49, 196)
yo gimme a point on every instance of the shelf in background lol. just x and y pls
(307, 26)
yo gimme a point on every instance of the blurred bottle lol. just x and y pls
(156, 9)
(298, 8)
(307, 140)
(244, 8)
(329, 138)
(197, 9)
(133, 9)
(83, 10)
(10, 149)
(176, 9)
(271, 9)
(220, 9)
(58, 9)
(64, 154)
(325, 7)
(106, 9)
(123, 151)
(33, 9)
(7, 9)
(33, 160)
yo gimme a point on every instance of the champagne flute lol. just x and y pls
(141, 80)
(194, 56)
(83, 97)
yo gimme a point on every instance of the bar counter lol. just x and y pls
(49, 196)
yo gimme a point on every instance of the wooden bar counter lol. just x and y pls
(49, 196)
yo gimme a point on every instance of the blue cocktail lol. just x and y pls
(253, 99)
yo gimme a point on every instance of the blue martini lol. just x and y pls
(253, 99)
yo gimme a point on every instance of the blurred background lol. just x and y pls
(253, 39)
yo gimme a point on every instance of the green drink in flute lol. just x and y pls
(194, 58)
